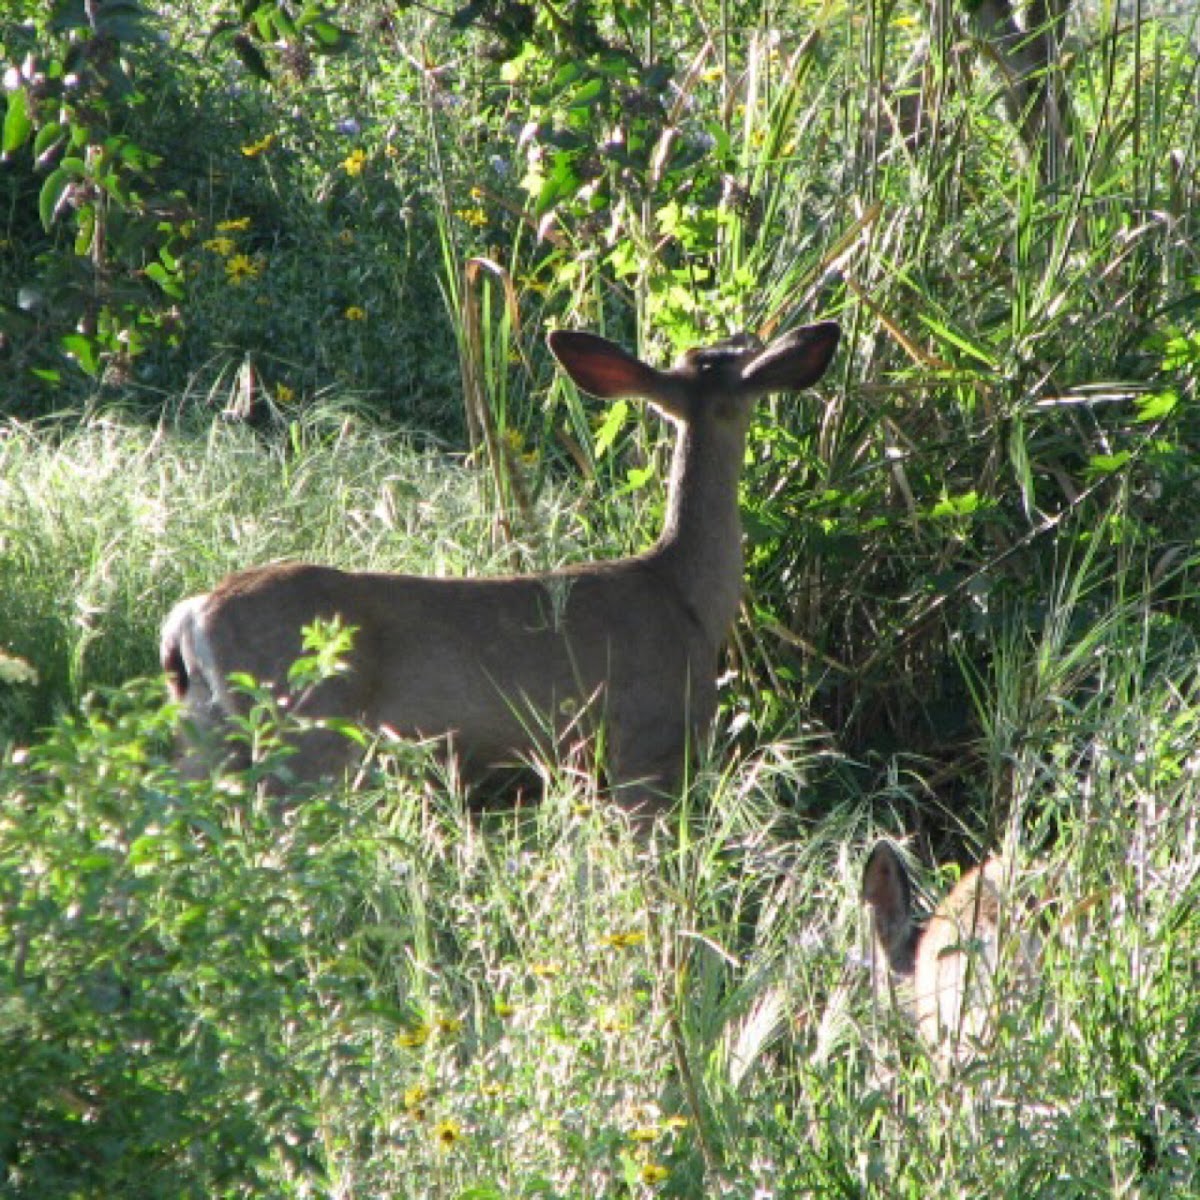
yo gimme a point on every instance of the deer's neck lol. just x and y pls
(700, 548)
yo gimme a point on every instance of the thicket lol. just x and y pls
(244, 244)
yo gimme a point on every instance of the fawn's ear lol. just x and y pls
(886, 889)
(604, 369)
(795, 360)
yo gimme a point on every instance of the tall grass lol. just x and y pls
(383, 995)
(108, 522)
(971, 619)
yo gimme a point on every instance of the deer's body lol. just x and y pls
(503, 666)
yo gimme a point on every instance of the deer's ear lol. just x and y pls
(885, 888)
(794, 361)
(604, 369)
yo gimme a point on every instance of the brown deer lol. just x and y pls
(504, 668)
(953, 957)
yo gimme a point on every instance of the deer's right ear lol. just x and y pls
(604, 369)
(885, 888)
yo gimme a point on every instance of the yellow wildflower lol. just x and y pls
(622, 941)
(354, 163)
(240, 225)
(242, 266)
(644, 1134)
(545, 970)
(414, 1101)
(354, 313)
(418, 1035)
(447, 1133)
(346, 237)
(676, 1122)
(260, 147)
(220, 245)
(503, 1009)
(284, 394)
(653, 1173)
(449, 1025)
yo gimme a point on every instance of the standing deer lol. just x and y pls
(952, 959)
(505, 667)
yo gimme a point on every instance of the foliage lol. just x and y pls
(118, 236)
(972, 608)
(379, 994)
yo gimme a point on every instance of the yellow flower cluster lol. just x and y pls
(646, 1134)
(238, 266)
(474, 216)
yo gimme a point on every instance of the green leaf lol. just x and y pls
(561, 183)
(330, 36)
(613, 423)
(973, 349)
(587, 94)
(83, 350)
(48, 140)
(17, 125)
(1107, 464)
(145, 849)
(1157, 405)
(165, 279)
(636, 478)
(251, 57)
(566, 74)
(282, 21)
(86, 231)
(956, 506)
(56, 183)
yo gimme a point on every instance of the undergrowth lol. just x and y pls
(971, 613)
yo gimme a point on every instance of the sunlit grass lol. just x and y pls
(970, 624)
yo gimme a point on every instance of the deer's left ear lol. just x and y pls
(886, 890)
(794, 361)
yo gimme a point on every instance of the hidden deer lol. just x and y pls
(953, 957)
